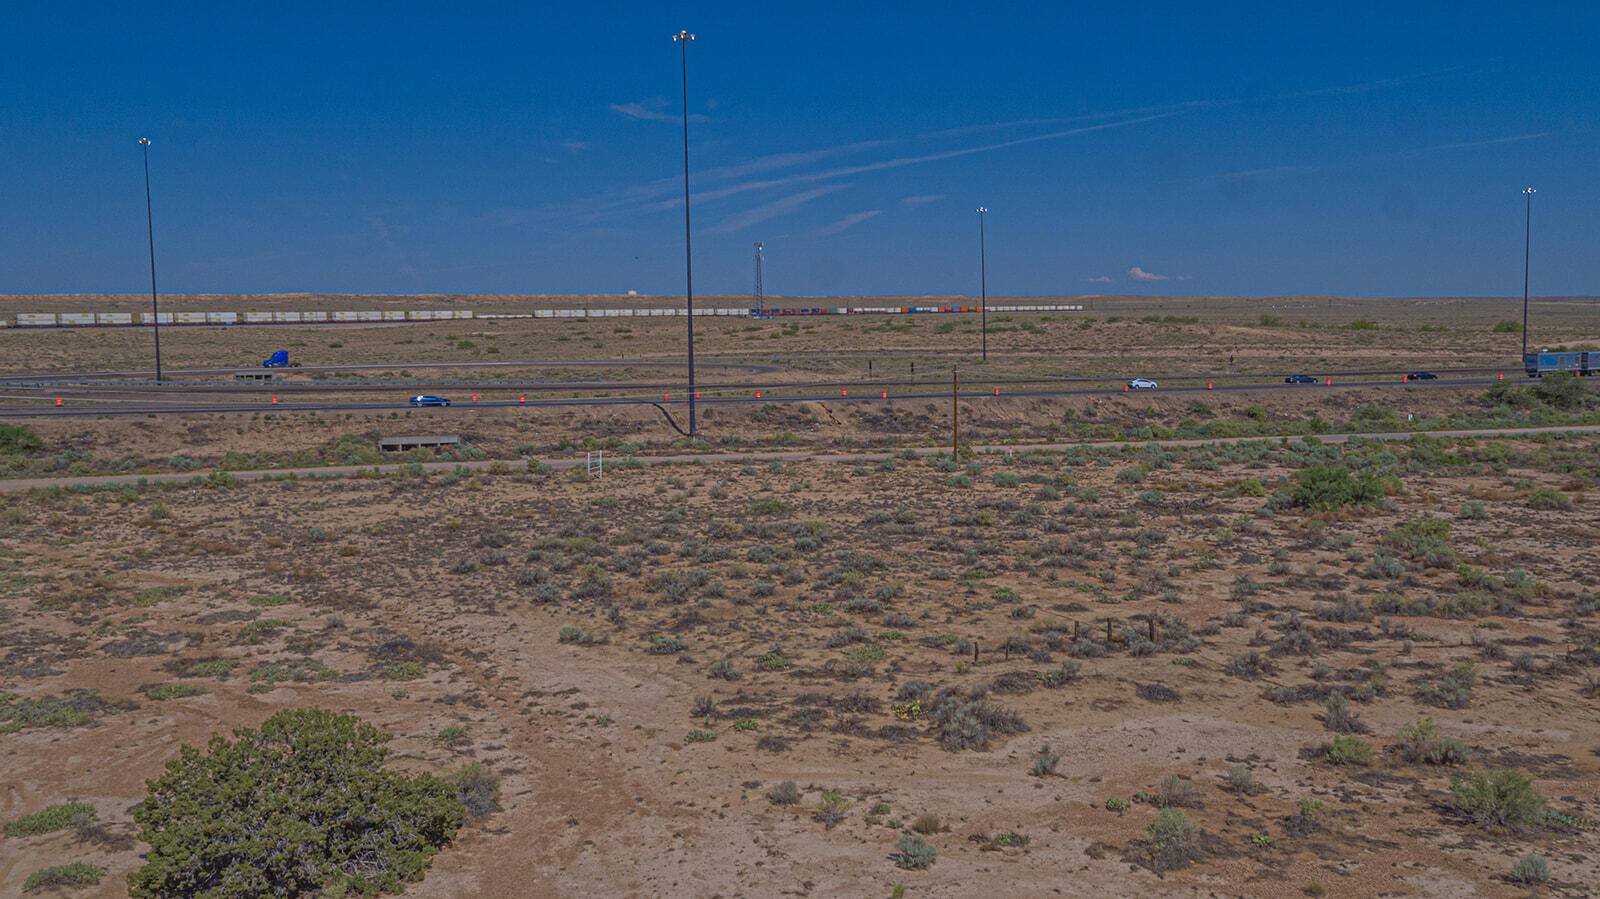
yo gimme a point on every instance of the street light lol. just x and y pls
(983, 282)
(150, 229)
(683, 38)
(1527, 245)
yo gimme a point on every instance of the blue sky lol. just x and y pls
(1360, 149)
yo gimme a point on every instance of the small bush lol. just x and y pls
(1349, 750)
(913, 853)
(1240, 780)
(926, 824)
(1046, 762)
(51, 819)
(1332, 486)
(1531, 870)
(1172, 841)
(478, 790)
(75, 874)
(1498, 797)
(1419, 742)
(1177, 791)
(786, 793)
(831, 809)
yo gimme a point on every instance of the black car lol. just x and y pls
(1422, 376)
(1300, 379)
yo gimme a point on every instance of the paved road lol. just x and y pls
(95, 404)
(343, 471)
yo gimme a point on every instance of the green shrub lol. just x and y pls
(913, 852)
(477, 789)
(281, 810)
(1349, 750)
(786, 793)
(831, 808)
(1419, 742)
(1508, 326)
(1332, 486)
(1531, 870)
(1172, 841)
(51, 819)
(1498, 797)
(18, 439)
(75, 874)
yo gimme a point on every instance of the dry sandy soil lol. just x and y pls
(864, 578)
(643, 657)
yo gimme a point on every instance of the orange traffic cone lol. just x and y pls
(1208, 385)
(758, 394)
(886, 394)
(522, 397)
(58, 401)
(844, 391)
(274, 401)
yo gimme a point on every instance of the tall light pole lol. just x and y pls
(150, 229)
(1527, 246)
(683, 38)
(983, 282)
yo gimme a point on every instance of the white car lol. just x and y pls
(1141, 384)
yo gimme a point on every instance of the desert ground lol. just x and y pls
(1109, 664)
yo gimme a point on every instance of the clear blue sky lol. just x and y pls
(1373, 149)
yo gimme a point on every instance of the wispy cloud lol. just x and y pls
(1103, 279)
(574, 146)
(778, 207)
(1139, 274)
(644, 113)
(1279, 171)
(849, 221)
(923, 200)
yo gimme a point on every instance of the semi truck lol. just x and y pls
(280, 359)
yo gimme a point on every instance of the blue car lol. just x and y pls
(1299, 379)
(428, 399)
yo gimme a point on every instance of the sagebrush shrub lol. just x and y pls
(1498, 797)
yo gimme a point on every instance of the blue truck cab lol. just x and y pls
(280, 359)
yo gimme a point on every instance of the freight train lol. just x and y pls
(1582, 363)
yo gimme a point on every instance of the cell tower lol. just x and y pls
(760, 297)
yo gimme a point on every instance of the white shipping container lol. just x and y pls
(221, 318)
(113, 318)
(76, 318)
(36, 319)
(463, 313)
(369, 316)
(318, 316)
(189, 318)
(285, 316)
(394, 315)
(258, 318)
(344, 316)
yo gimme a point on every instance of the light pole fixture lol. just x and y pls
(150, 230)
(683, 38)
(1527, 246)
(983, 282)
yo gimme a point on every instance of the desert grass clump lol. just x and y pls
(972, 724)
(913, 853)
(1251, 665)
(927, 824)
(1498, 797)
(1453, 690)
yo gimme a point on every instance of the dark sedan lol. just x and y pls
(1300, 379)
(1422, 376)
